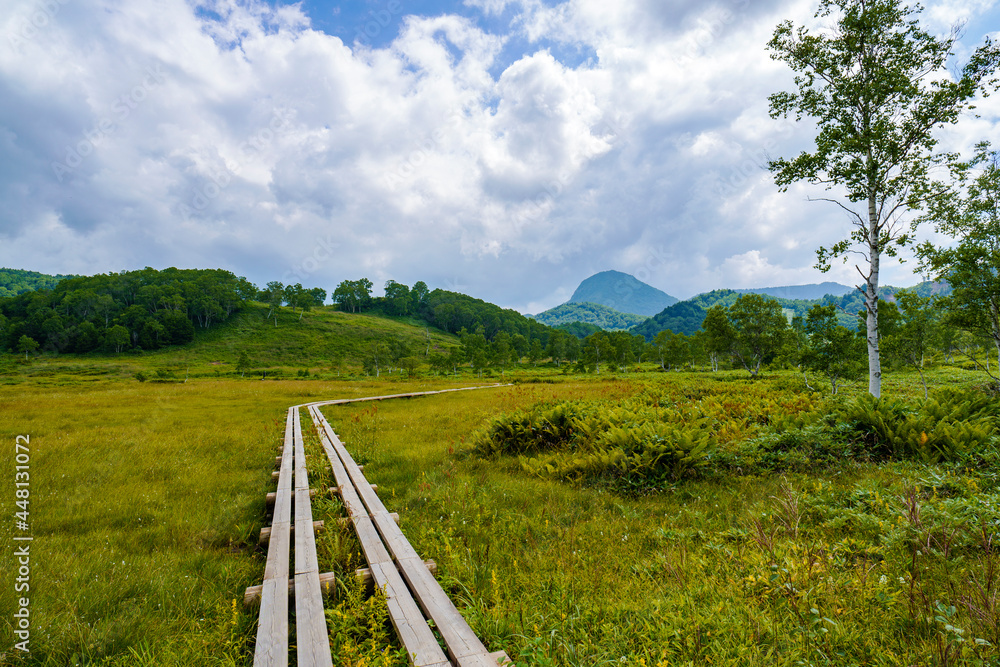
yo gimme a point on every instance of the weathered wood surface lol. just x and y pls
(411, 590)
(271, 649)
(338, 401)
(312, 642)
(265, 532)
(410, 624)
(464, 647)
(271, 498)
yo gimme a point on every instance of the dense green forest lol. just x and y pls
(603, 317)
(117, 311)
(579, 329)
(687, 316)
(150, 309)
(18, 281)
(684, 317)
(448, 311)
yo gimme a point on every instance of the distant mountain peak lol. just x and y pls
(622, 292)
(801, 292)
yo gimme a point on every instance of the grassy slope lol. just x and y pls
(317, 341)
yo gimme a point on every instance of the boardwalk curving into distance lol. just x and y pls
(413, 595)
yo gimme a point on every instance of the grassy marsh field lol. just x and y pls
(147, 498)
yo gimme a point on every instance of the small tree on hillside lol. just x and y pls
(758, 328)
(535, 351)
(26, 344)
(719, 334)
(117, 338)
(397, 298)
(829, 348)
(243, 364)
(274, 296)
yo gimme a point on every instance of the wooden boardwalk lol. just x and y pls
(413, 595)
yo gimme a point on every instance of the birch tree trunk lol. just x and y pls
(871, 301)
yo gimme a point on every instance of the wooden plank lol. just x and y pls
(371, 543)
(272, 498)
(327, 583)
(312, 642)
(395, 541)
(341, 401)
(311, 638)
(265, 533)
(411, 627)
(272, 629)
(271, 649)
(463, 645)
(364, 488)
(501, 658)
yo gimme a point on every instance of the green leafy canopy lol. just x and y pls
(877, 85)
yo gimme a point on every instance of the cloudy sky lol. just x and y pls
(507, 149)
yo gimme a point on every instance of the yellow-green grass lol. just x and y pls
(145, 505)
(146, 501)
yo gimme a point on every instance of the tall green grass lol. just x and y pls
(849, 564)
(147, 499)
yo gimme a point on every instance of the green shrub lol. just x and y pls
(578, 440)
(948, 427)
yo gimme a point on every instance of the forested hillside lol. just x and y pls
(853, 302)
(579, 329)
(116, 311)
(453, 312)
(684, 317)
(17, 281)
(603, 317)
(448, 311)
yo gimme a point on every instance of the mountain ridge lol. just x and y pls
(622, 292)
(604, 317)
(808, 292)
